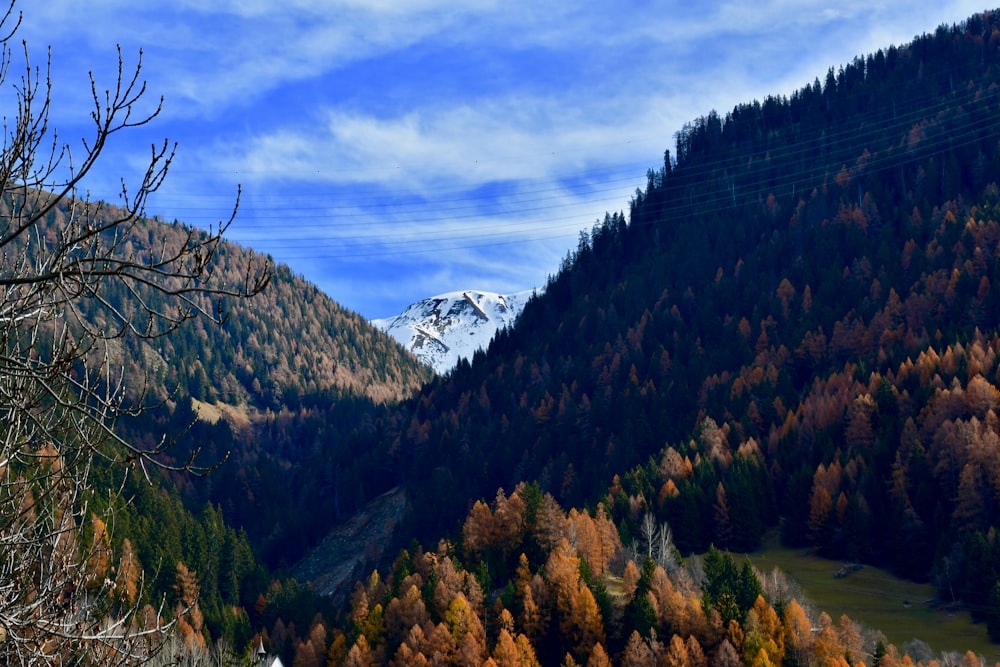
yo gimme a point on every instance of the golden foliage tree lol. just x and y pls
(405, 612)
(360, 654)
(637, 652)
(478, 531)
(598, 657)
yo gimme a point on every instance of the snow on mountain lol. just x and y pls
(444, 328)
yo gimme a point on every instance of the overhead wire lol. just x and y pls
(395, 226)
(721, 199)
(382, 200)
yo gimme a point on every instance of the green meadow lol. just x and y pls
(901, 609)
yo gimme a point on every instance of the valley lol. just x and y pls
(786, 344)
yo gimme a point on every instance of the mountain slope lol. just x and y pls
(259, 382)
(270, 389)
(796, 325)
(442, 329)
(274, 354)
(639, 340)
(289, 342)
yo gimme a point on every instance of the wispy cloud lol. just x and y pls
(389, 149)
(436, 149)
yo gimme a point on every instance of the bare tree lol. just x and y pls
(176, 652)
(65, 264)
(658, 540)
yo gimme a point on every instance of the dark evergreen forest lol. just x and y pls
(792, 330)
(792, 327)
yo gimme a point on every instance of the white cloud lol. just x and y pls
(381, 285)
(353, 101)
(441, 149)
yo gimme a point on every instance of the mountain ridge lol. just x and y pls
(450, 326)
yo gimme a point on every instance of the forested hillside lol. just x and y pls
(794, 327)
(273, 386)
(226, 399)
(289, 342)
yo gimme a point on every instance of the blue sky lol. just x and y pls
(392, 150)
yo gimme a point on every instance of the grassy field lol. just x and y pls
(876, 599)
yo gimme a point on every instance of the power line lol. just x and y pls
(394, 221)
(720, 199)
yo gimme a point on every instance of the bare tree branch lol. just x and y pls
(78, 280)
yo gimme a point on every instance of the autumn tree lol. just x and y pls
(311, 652)
(721, 515)
(630, 579)
(826, 646)
(763, 631)
(696, 655)
(671, 607)
(410, 650)
(598, 657)
(850, 638)
(797, 632)
(129, 574)
(511, 651)
(478, 531)
(405, 612)
(726, 655)
(505, 653)
(533, 618)
(360, 654)
(526, 652)
(440, 645)
(637, 652)
(588, 626)
(676, 654)
(463, 622)
(562, 573)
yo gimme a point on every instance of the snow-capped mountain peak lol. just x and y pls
(442, 329)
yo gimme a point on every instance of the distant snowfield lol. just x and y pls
(442, 329)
